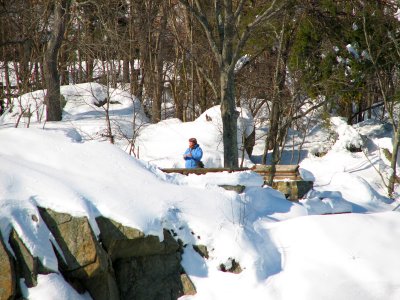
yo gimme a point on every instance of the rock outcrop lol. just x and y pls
(7, 273)
(27, 265)
(124, 242)
(123, 263)
(145, 268)
(293, 189)
(150, 277)
(86, 262)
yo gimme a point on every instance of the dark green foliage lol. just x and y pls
(331, 52)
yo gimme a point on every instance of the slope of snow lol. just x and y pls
(286, 249)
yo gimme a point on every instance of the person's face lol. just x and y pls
(191, 144)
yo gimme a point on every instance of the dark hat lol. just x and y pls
(193, 140)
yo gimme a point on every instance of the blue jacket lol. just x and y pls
(191, 161)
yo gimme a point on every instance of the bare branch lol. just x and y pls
(267, 14)
(367, 108)
(239, 9)
(303, 114)
(218, 20)
(200, 16)
(198, 66)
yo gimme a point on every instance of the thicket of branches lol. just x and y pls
(342, 56)
(159, 50)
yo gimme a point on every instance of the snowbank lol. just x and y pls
(286, 250)
(164, 143)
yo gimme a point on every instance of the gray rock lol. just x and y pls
(231, 266)
(86, 262)
(202, 250)
(188, 286)
(27, 266)
(293, 189)
(145, 268)
(155, 277)
(124, 242)
(7, 273)
(236, 188)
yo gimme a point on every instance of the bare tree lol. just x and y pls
(389, 99)
(223, 26)
(52, 77)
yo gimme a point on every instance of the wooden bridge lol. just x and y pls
(286, 180)
(282, 172)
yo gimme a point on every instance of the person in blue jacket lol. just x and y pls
(193, 155)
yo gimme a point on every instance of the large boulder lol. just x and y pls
(7, 273)
(136, 267)
(85, 261)
(293, 189)
(145, 268)
(155, 277)
(125, 242)
(236, 188)
(188, 285)
(27, 265)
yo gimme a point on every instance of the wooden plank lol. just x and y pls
(282, 171)
(279, 168)
(201, 171)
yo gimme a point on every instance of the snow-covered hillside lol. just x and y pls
(286, 250)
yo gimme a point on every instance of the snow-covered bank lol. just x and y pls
(286, 250)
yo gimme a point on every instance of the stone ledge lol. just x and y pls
(236, 188)
(125, 242)
(8, 280)
(293, 189)
(137, 267)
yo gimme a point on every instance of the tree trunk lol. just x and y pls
(125, 70)
(229, 119)
(140, 88)
(349, 112)
(52, 98)
(134, 77)
(25, 69)
(64, 67)
(36, 71)
(157, 100)
(178, 103)
(89, 68)
(370, 102)
(226, 43)
(271, 139)
(8, 84)
(393, 162)
(202, 87)
(158, 68)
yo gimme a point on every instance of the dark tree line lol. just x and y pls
(186, 51)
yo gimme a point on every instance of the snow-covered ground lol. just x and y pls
(287, 250)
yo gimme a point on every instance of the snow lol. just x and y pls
(352, 50)
(347, 262)
(52, 287)
(170, 137)
(287, 250)
(241, 63)
(347, 136)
